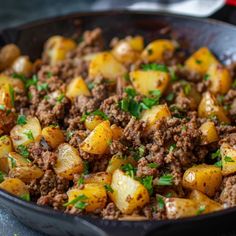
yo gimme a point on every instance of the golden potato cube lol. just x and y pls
(154, 114)
(156, 50)
(228, 155)
(205, 178)
(27, 133)
(68, 162)
(16, 160)
(5, 94)
(202, 200)
(77, 87)
(179, 207)
(5, 149)
(124, 52)
(116, 132)
(53, 136)
(136, 42)
(209, 108)
(8, 55)
(146, 81)
(26, 173)
(15, 186)
(98, 177)
(105, 65)
(92, 122)
(57, 47)
(117, 161)
(17, 84)
(209, 132)
(94, 193)
(22, 65)
(220, 79)
(128, 194)
(200, 61)
(98, 140)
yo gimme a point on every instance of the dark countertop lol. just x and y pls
(14, 12)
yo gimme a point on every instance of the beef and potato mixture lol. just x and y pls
(139, 131)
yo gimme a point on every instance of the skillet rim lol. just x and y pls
(7, 197)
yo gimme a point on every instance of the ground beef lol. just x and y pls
(110, 212)
(228, 194)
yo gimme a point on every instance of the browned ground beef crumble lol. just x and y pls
(148, 146)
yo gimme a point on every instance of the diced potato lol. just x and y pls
(68, 162)
(209, 132)
(117, 161)
(57, 47)
(179, 207)
(95, 193)
(53, 136)
(15, 186)
(200, 61)
(209, 108)
(27, 133)
(220, 79)
(98, 140)
(154, 114)
(92, 122)
(8, 54)
(23, 65)
(116, 132)
(146, 81)
(156, 50)
(90, 56)
(99, 178)
(5, 95)
(26, 173)
(5, 149)
(16, 160)
(228, 155)
(205, 178)
(124, 52)
(77, 87)
(203, 200)
(105, 65)
(128, 194)
(136, 42)
(17, 84)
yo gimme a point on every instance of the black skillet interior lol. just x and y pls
(192, 33)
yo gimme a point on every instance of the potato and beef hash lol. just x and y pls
(139, 131)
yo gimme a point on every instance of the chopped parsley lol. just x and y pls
(25, 197)
(155, 67)
(228, 159)
(2, 107)
(147, 182)
(220, 99)
(138, 153)
(160, 202)
(129, 169)
(173, 76)
(216, 154)
(91, 85)
(69, 135)
(43, 86)
(1, 176)
(49, 74)
(165, 180)
(60, 98)
(31, 82)
(187, 88)
(86, 167)
(108, 188)
(218, 164)
(127, 78)
(234, 84)
(184, 128)
(19, 76)
(131, 106)
(172, 147)
(12, 95)
(80, 180)
(198, 61)
(94, 113)
(131, 92)
(29, 135)
(21, 120)
(23, 151)
(201, 209)
(12, 161)
(153, 165)
(170, 97)
(78, 202)
(169, 195)
(206, 77)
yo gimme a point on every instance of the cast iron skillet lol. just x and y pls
(219, 37)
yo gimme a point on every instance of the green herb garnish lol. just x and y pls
(165, 180)
(91, 85)
(31, 82)
(147, 182)
(108, 188)
(60, 98)
(218, 164)
(12, 95)
(80, 180)
(21, 120)
(170, 97)
(228, 159)
(206, 77)
(153, 165)
(216, 154)
(25, 197)
(29, 135)
(23, 150)
(42, 87)
(12, 161)
(198, 61)
(1, 177)
(155, 67)
(201, 209)
(2, 107)
(129, 170)
(172, 147)
(78, 202)
(160, 202)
